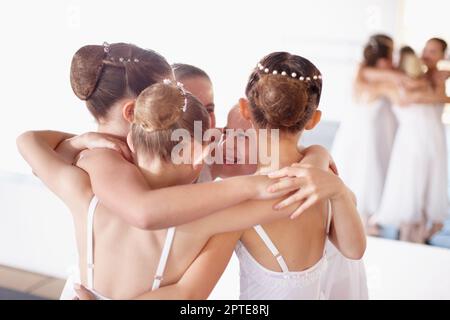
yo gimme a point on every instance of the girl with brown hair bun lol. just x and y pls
(286, 259)
(140, 196)
(109, 78)
(301, 240)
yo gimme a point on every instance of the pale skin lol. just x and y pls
(384, 80)
(115, 129)
(73, 187)
(203, 274)
(65, 171)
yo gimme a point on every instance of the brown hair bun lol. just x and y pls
(103, 75)
(159, 107)
(85, 70)
(284, 91)
(281, 101)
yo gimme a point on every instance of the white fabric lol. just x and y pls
(362, 150)
(163, 260)
(90, 242)
(416, 184)
(260, 283)
(273, 249)
(344, 279)
(69, 293)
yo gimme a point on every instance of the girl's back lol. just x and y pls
(126, 258)
(284, 259)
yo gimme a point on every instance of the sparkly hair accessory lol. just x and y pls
(107, 49)
(180, 87)
(285, 74)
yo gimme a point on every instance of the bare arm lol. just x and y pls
(315, 184)
(120, 186)
(68, 182)
(371, 75)
(347, 231)
(71, 147)
(203, 274)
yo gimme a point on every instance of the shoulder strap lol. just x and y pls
(329, 217)
(90, 242)
(328, 226)
(270, 245)
(163, 260)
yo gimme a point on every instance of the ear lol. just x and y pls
(128, 111)
(314, 120)
(130, 142)
(244, 109)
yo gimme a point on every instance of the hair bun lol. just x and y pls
(85, 70)
(282, 100)
(159, 107)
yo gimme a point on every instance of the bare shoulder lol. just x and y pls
(104, 161)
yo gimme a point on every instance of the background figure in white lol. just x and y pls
(364, 140)
(415, 196)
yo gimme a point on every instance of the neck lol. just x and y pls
(286, 150)
(116, 128)
(160, 174)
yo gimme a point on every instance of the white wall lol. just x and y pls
(226, 38)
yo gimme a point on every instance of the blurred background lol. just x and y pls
(226, 39)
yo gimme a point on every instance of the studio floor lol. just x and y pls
(19, 284)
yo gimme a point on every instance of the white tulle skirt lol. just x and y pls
(416, 184)
(362, 150)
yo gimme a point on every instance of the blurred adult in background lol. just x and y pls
(415, 195)
(364, 140)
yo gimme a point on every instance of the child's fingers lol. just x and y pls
(125, 151)
(304, 206)
(83, 293)
(333, 167)
(296, 197)
(287, 172)
(278, 174)
(119, 146)
(282, 185)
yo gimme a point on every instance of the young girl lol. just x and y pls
(418, 167)
(53, 171)
(279, 100)
(363, 144)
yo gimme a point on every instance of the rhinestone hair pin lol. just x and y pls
(180, 87)
(107, 49)
(293, 75)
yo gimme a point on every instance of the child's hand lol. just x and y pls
(262, 185)
(95, 140)
(83, 293)
(313, 185)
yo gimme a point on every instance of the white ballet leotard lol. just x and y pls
(260, 283)
(69, 292)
